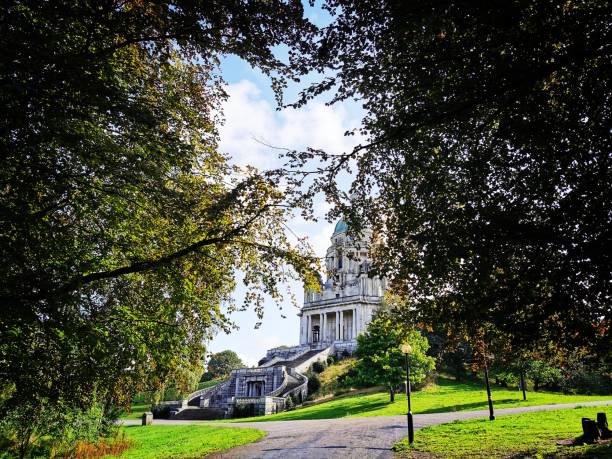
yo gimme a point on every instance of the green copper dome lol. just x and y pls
(341, 227)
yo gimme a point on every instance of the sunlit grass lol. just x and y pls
(447, 395)
(184, 441)
(522, 435)
(137, 411)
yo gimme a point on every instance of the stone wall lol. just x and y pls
(341, 348)
(273, 377)
(287, 353)
(321, 356)
(258, 406)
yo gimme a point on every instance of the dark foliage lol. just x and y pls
(314, 383)
(121, 225)
(318, 367)
(161, 411)
(487, 153)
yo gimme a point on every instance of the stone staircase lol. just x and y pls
(292, 384)
(192, 413)
(301, 359)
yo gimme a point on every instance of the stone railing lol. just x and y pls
(177, 403)
(271, 362)
(287, 353)
(208, 391)
(302, 387)
(250, 371)
(279, 390)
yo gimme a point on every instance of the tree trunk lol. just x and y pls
(523, 385)
(602, 423)
(391, 394)
(590, 431)
(536, 385)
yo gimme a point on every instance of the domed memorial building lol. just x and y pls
(330, 321)
(344, 306)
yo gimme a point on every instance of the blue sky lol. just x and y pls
(251, 119)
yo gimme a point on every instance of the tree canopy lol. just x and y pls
(381, 359)
(222, 363)
(122, 227)
(486, 166)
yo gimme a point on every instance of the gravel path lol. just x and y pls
(348, 437)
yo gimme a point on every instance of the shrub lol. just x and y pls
(318, 367)
(314, 383)
(331, 360)
(504, 376)
(585, 377)
(161, 411)
(104, 448)
(543, 375)
(41, 429)
(244, 411)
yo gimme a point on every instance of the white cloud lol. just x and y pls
(254, 128)
(252, 122)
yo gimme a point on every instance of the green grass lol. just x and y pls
(137, 410)
(447, 395)
(212, 382)
(520, 435)
(184, 441)
(330, 378)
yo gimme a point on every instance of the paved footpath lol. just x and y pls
(360, 438)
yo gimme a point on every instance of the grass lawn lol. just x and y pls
(184, 441)
(331, 375)
(137, 410)
(212, 382)
(519, 435)
(447, 395)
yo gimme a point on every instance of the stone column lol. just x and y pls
(342, 325)
(308, 328)
(354, 331)
(324, 327)
(320, 327)
(302, 329)
(337, 326)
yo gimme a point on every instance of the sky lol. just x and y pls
(252, 121)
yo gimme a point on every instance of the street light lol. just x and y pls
(407, 349)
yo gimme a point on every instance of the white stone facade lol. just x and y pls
(330, 322)
(344, 306)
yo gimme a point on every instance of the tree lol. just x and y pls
(543, 374)
(381, 359)
(487, 154)
(122, 227)
(222, 363)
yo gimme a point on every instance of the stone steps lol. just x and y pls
(301, 359)
(292, 384)
(198, 414)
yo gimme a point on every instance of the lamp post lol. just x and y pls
(486, 372)
(522, 381)
(407, 349)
